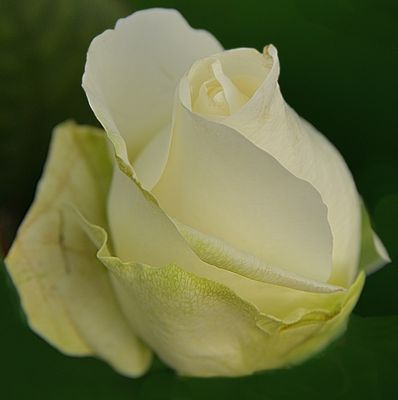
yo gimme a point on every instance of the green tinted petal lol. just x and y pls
(217, 252)
(373, 255)
(65, 291)
(201, 328)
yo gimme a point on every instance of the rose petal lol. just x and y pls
(373, 253)
(222, 185)
(132, 72)
(143, 233)
(238, 73)
(217, 252)
(64, 290)
(268, 122)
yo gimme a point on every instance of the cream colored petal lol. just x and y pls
(234, 97)
(220, 184)
(132, 72)
(65, 291)
(373, 253)
(143, 233)
(268, 122)
(151, 157)
(201, 328)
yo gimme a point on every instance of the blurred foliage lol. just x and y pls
(43, 49)
(338, 69)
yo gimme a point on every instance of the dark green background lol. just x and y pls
(339, 64)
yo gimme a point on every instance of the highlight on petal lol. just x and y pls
(219, 183)
(131, 75)
(201, 328)
(65, 292)
(373, 253)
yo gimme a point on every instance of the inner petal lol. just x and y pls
(234, 97)
(222, 84)
(219, 96)
(211, 99)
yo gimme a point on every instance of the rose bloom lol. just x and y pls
(210, 224)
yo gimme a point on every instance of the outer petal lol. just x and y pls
(201, 328)
(273, 126)
(64, 290)
(220, 184)
(373, 254)
(132, 72)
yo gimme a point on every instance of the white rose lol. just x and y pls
(226, 240)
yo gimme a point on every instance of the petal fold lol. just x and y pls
(217, 252)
